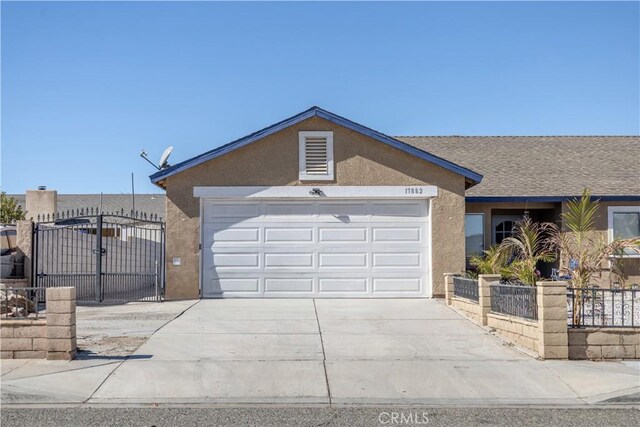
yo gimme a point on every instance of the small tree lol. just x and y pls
(10, 211)
(584, 251)
(530, 244)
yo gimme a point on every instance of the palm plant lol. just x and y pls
(584, 250)
(529, 245)
(492, 261)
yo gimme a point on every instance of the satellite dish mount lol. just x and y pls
(164, 159)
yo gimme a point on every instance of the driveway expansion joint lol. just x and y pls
(324, 356)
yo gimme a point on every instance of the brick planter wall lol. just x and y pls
(468, 308)
(604, 343)
(23, 339)
(520, 331)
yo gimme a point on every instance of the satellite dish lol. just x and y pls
(165, 157)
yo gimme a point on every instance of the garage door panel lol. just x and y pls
(289, 285)
(329, 248)
(327, 211)
(407, 259)
(288, 235)
(397, 234)
(221, 211)
(235, 235)
(397, 284)
(397, 210)
(342, 260)
(275, 210)
(288, 260)
(237, 260)
(333, 284)
(345, 235)
(235, 285)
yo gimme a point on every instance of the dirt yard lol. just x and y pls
(118, 330)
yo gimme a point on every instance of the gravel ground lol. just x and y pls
(118, 330)
(621, 308)
(325, 416)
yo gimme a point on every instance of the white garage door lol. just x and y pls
(361, 248)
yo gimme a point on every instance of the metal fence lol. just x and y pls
(464, 287)
(613, 308)
(21, 303)
(109, 258)
(515, 300)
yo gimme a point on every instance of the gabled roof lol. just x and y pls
(550, 168)
(471, 176)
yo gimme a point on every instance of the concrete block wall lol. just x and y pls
(521, 332)
(61, 323)
(23, 339)
(547, 336)
(468, 308)
(604, 343)
(553, 339)
(476, 311)
(52, 337)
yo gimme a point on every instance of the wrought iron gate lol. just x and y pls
(109, 258)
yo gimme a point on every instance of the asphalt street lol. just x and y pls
(319, 416)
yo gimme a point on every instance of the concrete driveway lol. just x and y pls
(326, 351)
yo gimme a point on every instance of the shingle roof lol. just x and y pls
(145, 203)
(542, 165)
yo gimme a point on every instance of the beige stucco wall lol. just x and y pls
(487, 208)
(273, 161)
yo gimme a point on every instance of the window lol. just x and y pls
(473, 234)
(624, 223)
(316, 155)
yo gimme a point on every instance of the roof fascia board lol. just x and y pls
(400, 145)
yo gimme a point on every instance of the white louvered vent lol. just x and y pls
(316, 155)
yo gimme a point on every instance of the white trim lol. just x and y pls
(302, 155)
(327, 191)
(620, 209)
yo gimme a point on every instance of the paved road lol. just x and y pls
(278, 416)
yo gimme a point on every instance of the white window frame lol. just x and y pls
(620, 209)
(302, 155)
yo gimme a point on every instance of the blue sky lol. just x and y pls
(86, 86)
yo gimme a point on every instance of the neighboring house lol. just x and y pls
(150, 204)
(320, 206)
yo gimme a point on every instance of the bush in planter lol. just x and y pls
(531, 243)
(493, 261)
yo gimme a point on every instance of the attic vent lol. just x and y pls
(316, 156)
